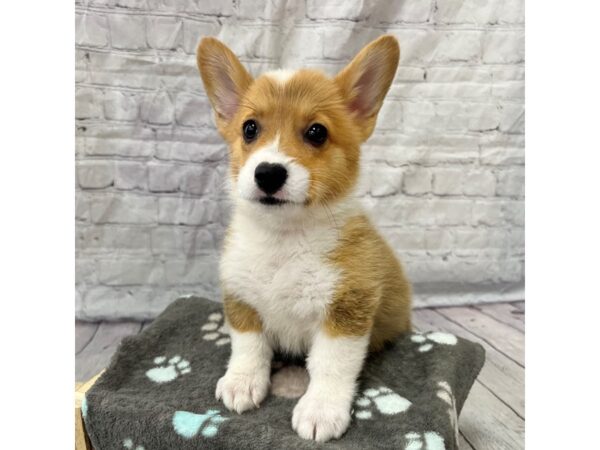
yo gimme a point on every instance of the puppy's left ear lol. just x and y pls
(365, 81)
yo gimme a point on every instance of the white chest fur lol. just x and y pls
(283, 275)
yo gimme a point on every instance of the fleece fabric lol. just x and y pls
(159, 392)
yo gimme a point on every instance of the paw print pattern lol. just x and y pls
(429, 440)
(216, 330)
(435, 337)
(84, 407)
(445, 394)
(128, 443)
(382, 399)
(188, 424)
(166, 371)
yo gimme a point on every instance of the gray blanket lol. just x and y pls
(158, 392)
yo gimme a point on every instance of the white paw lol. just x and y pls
(319, 419)
(243, 391)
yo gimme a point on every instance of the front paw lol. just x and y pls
(242, 391)
(316, 417)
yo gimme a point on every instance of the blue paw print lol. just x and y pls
(84, 407)
(188, 424)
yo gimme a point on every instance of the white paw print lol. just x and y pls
(445, 393)
(427, 340)
(168, 370)
(429, 440)
(216, 330)
(383, 399)
(128, 443)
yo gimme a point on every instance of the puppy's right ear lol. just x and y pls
(224, 77)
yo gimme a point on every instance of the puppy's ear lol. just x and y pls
(224, 77)
(365, 81)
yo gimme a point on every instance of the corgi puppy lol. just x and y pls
(303, 270)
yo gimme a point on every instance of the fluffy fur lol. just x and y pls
(309, 275)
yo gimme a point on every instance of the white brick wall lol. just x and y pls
(443, 174)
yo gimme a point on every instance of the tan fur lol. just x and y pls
(211, 56)
(374, 295)
(240, 315)
(288, 110)
(364, 88)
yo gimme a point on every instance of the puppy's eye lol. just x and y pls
(250, 130)
(316, 134)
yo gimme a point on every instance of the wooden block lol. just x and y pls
(82, 442)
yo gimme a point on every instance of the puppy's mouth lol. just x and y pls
(272, 201)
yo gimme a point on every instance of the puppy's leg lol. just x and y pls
(246, 382)
(334, 363)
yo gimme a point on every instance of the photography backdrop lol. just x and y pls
(443, 174)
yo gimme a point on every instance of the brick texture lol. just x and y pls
(443, 175)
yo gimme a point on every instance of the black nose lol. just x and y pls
(270, 177)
